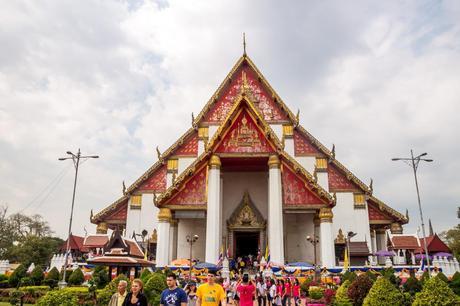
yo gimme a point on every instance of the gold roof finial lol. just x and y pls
(244, 44)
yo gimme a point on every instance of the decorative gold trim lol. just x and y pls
(164, 214)
(101, 228)
(326, 215)
(214, 162)
(383, 207)
(321, 163)
(186, 207)
(359, 200)
(274, 161)
(203, 132)
(288, 130)
(172, 164)
(380, 222)
(396, 228)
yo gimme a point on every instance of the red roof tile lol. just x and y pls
(76, 243)
(404, 242)
(95, 241)
(435, 244)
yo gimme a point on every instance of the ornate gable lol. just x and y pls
(338, 182)
(189, 147)
(264, 100)
(377, 215)
(156, 182)
(295, 190)
(244, 136)
(304, 147)
(246, 216)
(193, 191)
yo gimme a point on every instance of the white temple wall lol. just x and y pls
(183, 163)
(212, 129)
(139, 219)
(347, 218)
(308, 162)
(234, 186)
(296, 228)
(191, 227)
(289, 146)
(278, 129)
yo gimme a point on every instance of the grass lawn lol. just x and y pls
(8, 304)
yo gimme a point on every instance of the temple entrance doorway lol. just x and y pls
(246, 243)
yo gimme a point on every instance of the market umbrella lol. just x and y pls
(206, 265)
(384, 253)
(443, 254)
(421, 256)
(300, 264)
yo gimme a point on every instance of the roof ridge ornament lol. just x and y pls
(124, 188)
(244, 44)
(158, 153)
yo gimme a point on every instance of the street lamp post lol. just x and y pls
(76, 162)
(191, 240)
(314, 240)
(350, 235)
(413, 162)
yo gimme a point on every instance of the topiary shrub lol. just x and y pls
(58, 298)
(37, 275)
(341, 296)
(26, 281)
(412, 286)
(372, 276)
(67, 275)
(77, 277)
(455, 283)
(425, 277)
(350, 276)
(101, 277)
(436, 292)
(389, 273)
(155, 285)
(359, 289)
(315, 292)
(16, 276)
(15, 297)
(442, 277)
(145, 275)
(383, 293)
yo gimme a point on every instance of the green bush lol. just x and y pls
(101, 277)
(26, 281)
(53, 274)
(436, 292)
(15, 297)
(442, 277)
(389, 273)
(19, 273)
(359, 289)
(455, 283)
(37, 275)
(383, 293)
(315, 292)
(58, 298)
(155, 285)
(412, 286)
(3, 277)
(77, 277)
(372, 276)
(350, 276)
(145, 275)
(305, 285)
(341, 296)
(425, 277)
(67, 275)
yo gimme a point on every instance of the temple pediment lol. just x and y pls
(246, 216)
(193, 191)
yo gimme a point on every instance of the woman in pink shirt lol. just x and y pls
(246, 290)
(287, 292)
(296, 291)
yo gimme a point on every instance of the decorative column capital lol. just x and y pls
(214, 162)
(396, 228)
(273, 161)
(326, 215)
(101, 228)
(164, 214)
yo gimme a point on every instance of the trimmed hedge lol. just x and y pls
(341, 296)
(436, 292)
(359, 289)
(383, 293)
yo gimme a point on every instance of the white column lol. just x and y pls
(214, 211)
(275, 211)
(326, 239)
(164, 217)
(173, 240)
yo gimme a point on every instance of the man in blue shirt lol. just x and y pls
(173, 296)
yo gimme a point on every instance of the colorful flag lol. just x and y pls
(346, 264)
(267, 255)
(221, 256)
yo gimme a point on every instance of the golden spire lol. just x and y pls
(244, 44)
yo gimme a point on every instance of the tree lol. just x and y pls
(37, 275)
(383, 293)
(452, 237)
(52, 278)
(7, 236)
(100, 277)
(38, 250)
(155, 285)
(436, 292)
(77, 277)
(17, 275)
(359, 289)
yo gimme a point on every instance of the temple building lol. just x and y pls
(247, 176)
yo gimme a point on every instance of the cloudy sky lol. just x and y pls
(118, 78)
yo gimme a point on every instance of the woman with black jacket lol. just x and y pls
(136, 297)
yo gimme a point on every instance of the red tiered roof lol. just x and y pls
(193, 192)
(189, 147)
(338, 181)
(156, 182)
(435, 244)
(407, 242)
(375, 214)
(295, 191)
(304, 147)
(76, 243)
